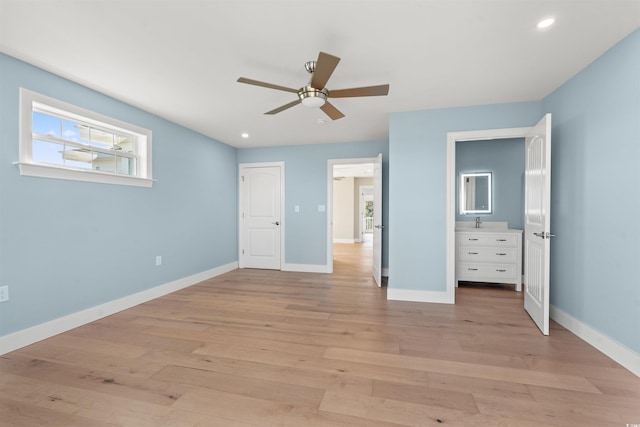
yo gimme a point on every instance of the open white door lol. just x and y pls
(537, 222)
(377, 220)
(260, 217)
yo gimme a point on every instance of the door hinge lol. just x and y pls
(243, 252)
(242, 176)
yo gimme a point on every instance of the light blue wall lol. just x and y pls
(66, 245)
(505, 159)
(306, 186)
(417, 201)
(595, 191)
(596, 194)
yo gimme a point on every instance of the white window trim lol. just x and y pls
(28, 167)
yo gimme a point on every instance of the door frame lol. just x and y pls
(330, 164)
(452, 138)
(283, 222)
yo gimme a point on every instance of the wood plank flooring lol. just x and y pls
(270, 348)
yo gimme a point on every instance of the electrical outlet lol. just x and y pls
(158, 260)
(4, 293)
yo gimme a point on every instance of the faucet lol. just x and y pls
(478, 222)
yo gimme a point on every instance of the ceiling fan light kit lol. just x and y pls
(312, 97)
(315, 94)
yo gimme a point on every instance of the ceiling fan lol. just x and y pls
(315, 94)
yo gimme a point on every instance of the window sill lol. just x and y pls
(44, 171)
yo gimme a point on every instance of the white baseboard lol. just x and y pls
(45, 330)
(418, 296)
(350, 241)
(621, 354)
(306, 268)
(316, 268)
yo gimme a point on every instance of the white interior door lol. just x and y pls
(537, 225)
(260, 217)
(377, 220)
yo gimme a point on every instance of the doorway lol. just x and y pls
(490, 196)
(365, 214)
(537, 212)
(452, 139)
(353, 185)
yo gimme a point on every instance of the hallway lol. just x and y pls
(353, 257)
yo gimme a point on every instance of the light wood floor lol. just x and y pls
(267, 348)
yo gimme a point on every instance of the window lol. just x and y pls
(59, 140)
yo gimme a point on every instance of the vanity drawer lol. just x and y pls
(496, 254)
(489, 239)
(486, 272)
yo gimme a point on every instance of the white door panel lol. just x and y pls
(377, 220)
(261, 242)
(261, 222)
(263, 200)
(537, 222)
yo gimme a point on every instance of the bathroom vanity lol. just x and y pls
(492, 254)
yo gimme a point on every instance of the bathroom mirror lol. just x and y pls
(475, 193)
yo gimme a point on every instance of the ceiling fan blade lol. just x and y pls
(380, 90)
(324, 68)
(267, 85)
(331, 111)
(284, 107)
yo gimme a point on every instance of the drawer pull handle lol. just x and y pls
(472, 269)
(501, 240)
(473, 240)
(501, 271)
(472, 253)
(500, 254)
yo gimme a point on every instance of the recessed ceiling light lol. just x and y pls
(244, 135)
(546, 23)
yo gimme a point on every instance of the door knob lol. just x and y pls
(379, 226)
(544, 235)
(276, 223)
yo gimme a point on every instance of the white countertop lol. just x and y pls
(487, 230)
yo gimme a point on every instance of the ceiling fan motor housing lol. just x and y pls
(310, 66)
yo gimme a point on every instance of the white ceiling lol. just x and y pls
(180, 59)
